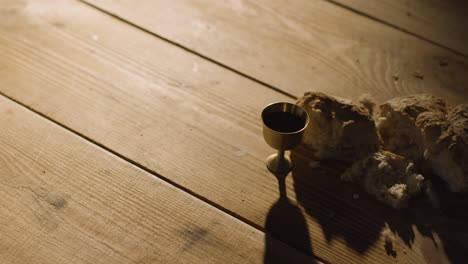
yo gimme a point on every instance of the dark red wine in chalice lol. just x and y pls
(284, 122)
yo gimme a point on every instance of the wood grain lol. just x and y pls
(303, 45)
(441, 21)
(64, 200)
(191, 121)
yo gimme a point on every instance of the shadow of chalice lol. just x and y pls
(283, 128)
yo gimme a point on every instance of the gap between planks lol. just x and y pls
(388, 24)
(115, 16)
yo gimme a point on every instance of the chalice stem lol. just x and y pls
(280, 157)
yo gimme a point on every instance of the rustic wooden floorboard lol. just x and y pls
(303, 45)
(444, 22)
(188, 121)
(65, 200)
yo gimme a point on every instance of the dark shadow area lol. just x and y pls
(344, 211)
(450, 224)
(286, 223)
(325, 198)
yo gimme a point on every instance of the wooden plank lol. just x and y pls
(64, 200)
(441, 21)
(194, 123)
(303, 45)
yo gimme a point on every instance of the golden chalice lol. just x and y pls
(283, 127)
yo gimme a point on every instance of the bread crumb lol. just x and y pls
(443, 62)
(397, 191)
(389, 238)
(418, 75)
(240, 153)
(387, 234)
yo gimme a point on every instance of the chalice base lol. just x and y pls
(278, 165)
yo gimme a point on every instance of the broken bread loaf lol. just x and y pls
(420, 128)
(388, 177)
(447, 149)
(401, 123)
(338, 130)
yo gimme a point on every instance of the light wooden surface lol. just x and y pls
(196, 125)
(443, 22)
(65, 200)
(303, 45)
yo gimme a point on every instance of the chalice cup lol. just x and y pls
(283, 128)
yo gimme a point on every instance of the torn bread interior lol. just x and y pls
(388, 177)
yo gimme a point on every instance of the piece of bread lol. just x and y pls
(420, 128)
(338, 130)
(388, 177)
(447, 149)
(401, 122)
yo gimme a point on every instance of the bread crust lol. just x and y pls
(447, 152)
(338, 130)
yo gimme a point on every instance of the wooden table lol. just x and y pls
(130, 130)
